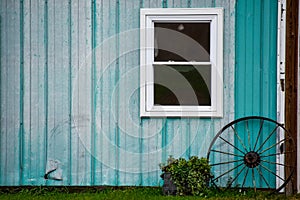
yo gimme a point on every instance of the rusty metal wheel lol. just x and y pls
(250, 153)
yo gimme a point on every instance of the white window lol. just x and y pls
(181, 62)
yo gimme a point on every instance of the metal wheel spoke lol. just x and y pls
(277, 154)
(244, 180)
(228, 162)
(232, 145)
(248, 133)
(269, 136)
(271, 172)
(259, 132)
(239, 138)
(238, 174)
(261, 174)
(276, 163)
(272, 146)
(232, 154)
(228, 171)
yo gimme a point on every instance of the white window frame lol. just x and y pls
(147, 19)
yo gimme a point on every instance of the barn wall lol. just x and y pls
(70, 95)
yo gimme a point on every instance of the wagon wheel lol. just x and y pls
(249, 153)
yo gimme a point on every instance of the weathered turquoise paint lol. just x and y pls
(69, 90)
(256, 65)
(256, 40)
(11, 98)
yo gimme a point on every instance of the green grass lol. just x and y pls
(135, 193)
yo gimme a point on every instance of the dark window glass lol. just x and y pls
(182, 42)
(182, 85)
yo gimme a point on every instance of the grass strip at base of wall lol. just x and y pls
(121, 193)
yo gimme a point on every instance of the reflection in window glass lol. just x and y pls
(182, 42)
(182, 85)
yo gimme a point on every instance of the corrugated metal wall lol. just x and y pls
(256, 67)
(70, 94)
(256, 58)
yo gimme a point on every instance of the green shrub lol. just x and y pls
(190, 176)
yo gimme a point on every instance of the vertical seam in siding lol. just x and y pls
(38, 169)
(236, 62)
(273, 43)
(253, 57)
(77, 96)
(141, 153)
(93, 106)
(164, 4)
(141, 130)
(273, 61)
(188, 151)
(70, 92)
(6, 95)
(101, 87)
(164, 140)
(189, 3)
(253, 108)
(117, 131)
(245, 56)
(262, 24)
(1, 166)
(21, 130)
(46, 81)
(141, 3)
(30, 88)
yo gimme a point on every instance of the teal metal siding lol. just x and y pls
(10, 102)
(256, 71)
(256, 56)
(70, 94)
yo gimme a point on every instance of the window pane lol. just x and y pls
(182, 85)
(182, 42)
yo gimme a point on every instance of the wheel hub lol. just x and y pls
(252, 159)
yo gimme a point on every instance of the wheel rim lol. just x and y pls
(249, 153)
